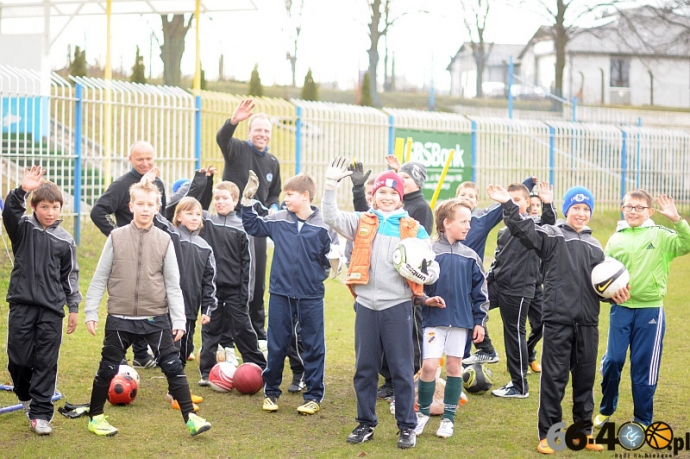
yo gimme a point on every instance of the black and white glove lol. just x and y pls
(358, 177)
(250, 189)
(426, 275)
(336, 172)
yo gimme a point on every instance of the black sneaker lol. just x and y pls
(150, 362)
(297, 385)
(386, 392)
(407, 439)
(361, 434)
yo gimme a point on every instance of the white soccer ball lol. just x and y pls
(413, 251)
(127, 370)
(609, 276)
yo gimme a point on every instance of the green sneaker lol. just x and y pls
(197, 424)
(100, 426)
(600, 420)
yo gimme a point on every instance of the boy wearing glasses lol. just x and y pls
(646, 250)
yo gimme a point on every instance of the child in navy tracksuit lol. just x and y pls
(299, 267)
(456, 307)
(384, 315)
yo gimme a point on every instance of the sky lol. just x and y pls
(333, 42)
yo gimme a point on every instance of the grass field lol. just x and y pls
(487, 427)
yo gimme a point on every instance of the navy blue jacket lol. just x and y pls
(299, 264)
(461, 284)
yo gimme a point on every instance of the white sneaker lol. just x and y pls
(422, 420)
(230, 356)
(263, 345)
(445, 430)
(41, 427)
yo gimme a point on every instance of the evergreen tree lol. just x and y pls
(310, 90)
(365, 92)
(138, 69)
(77, 67)
(255, 87)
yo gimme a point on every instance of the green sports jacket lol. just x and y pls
(647, 252)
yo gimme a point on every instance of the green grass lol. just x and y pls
(487, 427)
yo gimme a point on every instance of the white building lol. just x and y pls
(463, 70)
(635, 59)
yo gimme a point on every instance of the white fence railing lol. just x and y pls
(41, 128)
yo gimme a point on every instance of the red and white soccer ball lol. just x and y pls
(608, 277)
(123, 390)
(221, 376)
(127, 370)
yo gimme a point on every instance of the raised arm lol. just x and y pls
(679, 243)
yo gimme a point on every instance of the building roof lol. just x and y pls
(639, 31)
(499, 53)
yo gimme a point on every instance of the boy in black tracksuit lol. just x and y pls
(571, 307)
(231, 248)
(511, 282)
(44, 279)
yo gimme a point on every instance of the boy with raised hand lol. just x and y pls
(570, 322)
(455, 308)
(232, 249)
(45, 278)
(483, 221)
(414, 176)
(639, 323)
(511, 280)
(139, 268)
(299, 267)
(383, 295)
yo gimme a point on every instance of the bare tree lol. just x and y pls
(475, 14)
(174, 32)
(294, 12)
(381, 21)
(565, 16)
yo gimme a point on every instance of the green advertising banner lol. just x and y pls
(431, 148)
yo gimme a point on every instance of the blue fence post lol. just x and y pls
(552, 155)
(391, 135)
(474, 151)
(510, 87)
(638, 165)
(78, 112)
(298, 140)
(574, 115)
(197, 132)
(624, 165)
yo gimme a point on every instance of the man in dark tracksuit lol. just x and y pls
(570, 309)
(241, 157)
(115, 201)
(44, 279)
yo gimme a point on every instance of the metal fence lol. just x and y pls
(83, 128)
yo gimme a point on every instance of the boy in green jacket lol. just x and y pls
(646, 250)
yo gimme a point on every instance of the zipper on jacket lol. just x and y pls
(136, 286)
